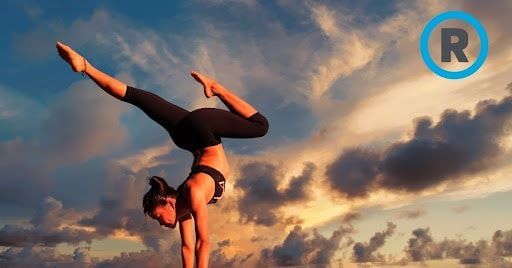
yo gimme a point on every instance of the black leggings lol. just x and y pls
(199, 128)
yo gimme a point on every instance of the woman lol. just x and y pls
(197, 131)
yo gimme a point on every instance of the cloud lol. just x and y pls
(353, 172)
(260, 68)
(345, 50)
(412, 213)
(493, 16)
(51, 225)
(33, 11)
(143, 258)
(82, 255)
(148, 158)
(218, 257)
(115, 215)
(261, 197)
(422, 247)
(49, 256)
(458, 144)
(13, 111)
(44, 256)
(69, 132)
(82, 123)
(365, 252)
(418, 246)
(299, 249)
(24, 179)
(461, 209)
(351, 216)
(502, 240)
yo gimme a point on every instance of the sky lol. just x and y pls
(370, 159)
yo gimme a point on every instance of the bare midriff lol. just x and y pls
(213, 156)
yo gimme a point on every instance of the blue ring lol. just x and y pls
(453, 15)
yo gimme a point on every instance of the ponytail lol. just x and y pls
(157, 195)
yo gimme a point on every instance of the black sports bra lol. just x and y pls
(216, 175)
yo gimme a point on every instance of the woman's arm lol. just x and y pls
(200, 213)
(187, 241)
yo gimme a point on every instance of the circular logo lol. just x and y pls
(453, 15)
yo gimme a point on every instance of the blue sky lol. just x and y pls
(367, 149)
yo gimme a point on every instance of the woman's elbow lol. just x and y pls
(202, 244)
(187, 247)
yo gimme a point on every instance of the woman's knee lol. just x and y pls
(262, 122)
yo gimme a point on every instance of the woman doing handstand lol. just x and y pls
(198, 131)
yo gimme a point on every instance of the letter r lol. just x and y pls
(447, 46)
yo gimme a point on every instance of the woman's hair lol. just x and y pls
(156, 196)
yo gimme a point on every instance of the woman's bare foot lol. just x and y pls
(210, 85)
(75, 60)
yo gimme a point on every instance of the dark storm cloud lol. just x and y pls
(46, 228)
(81, 255)
(419, 246)
(108, 218)
(458, 144)
(366, 252)
(114, 215)
(422, 247)
(299, 249)
(353, 172)
(261, 199)
(44, 257)
(50, 227)
(16, 236)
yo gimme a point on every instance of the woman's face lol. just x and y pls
(165, 215)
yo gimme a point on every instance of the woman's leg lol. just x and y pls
(78, 63)
(161, 111)
(213, 123)
(234, 103)
(244, 121)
